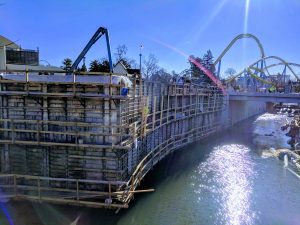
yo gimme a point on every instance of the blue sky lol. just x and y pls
(61, 28)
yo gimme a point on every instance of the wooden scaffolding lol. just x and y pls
(90, 139)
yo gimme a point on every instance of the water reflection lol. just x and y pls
(227, 175)
(199, 185)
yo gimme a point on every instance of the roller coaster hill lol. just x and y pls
(257, 76)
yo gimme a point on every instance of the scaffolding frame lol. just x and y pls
(84, 143)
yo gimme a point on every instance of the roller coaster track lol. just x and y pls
(264, 67)
(282, 64)
(252, 67)
(241, 36)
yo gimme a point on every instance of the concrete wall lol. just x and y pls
(236, 111)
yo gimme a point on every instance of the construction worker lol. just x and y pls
(272, 89)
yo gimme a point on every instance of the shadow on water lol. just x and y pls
(167, 176)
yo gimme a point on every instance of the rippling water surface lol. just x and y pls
(222, 180)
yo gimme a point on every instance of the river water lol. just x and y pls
(229, 178)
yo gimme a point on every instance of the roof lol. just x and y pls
(6, 42)
(125, 69)
(96, 79)
(29, 67)
(133, 71)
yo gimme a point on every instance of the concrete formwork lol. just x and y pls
(89, 143)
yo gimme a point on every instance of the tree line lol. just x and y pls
(150, 68)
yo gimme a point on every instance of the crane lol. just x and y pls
(101, 31)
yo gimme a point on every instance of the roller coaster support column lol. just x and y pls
(261, 68)
(219, 69)
(284, 73)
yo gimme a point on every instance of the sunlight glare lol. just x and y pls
(247, 4)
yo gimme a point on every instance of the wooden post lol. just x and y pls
(175, 116)
(197, 108)
(190, 105)
(110, 83)
(153, 112)
(132, 185)
(161, 109)
(168, 108)
(15, 185)
(38, 131)
(27, 80)
(39, 187)
(109, 190)
(77, 190)
(74, 84)
(12, 130)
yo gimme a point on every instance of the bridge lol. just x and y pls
(242, 105)
(265, 97)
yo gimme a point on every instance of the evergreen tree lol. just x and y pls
(95, 66)
(104, 66)
(83, 68)
(207, 61)
(67, 63)
(195, 71)
(99, 66)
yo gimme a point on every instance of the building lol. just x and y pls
(120, 68)
(15, 58)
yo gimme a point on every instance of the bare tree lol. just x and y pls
(150, 66)
(120, 56)
(120, 53)
(133, 63)
(230, 72)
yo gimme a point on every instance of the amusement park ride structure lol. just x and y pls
(257, 74)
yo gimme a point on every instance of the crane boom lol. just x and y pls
(101, 31)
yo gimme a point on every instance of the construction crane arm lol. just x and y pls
(101, 31)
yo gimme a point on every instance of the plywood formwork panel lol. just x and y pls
(83, 131)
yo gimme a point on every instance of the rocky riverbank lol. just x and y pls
(276, 135)
(294, 131)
